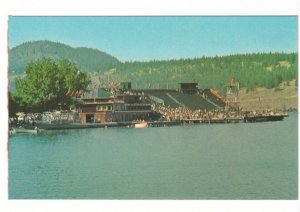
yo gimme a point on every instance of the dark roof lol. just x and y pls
(188, 83)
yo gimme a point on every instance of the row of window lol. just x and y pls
(104, 107)
(138, 107)
(121, 107)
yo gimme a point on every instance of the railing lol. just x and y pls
(223, 99)
(60, 118)
(157, 100)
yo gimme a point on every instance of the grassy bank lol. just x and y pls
(283, 97)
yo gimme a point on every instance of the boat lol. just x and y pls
(34, 130)
(142, 124)
(263, 118)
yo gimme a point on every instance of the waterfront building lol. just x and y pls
(120, 108)
(124, 104)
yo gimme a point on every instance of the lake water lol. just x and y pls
(216, 161)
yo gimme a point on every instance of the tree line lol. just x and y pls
(251, 70)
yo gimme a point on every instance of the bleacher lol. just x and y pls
(193, 101)
(175, 99)
(162, 95)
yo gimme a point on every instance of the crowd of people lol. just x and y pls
(23, 119)
(58, 116)
(30, 119)
(180, 113)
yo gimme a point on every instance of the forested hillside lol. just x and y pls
(251, 70)
(86, 59)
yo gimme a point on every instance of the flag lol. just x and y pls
(79, 93)
(68, 93)
(72, 93)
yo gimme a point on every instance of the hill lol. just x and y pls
(285, 97)
(250, 70)
(86, 59)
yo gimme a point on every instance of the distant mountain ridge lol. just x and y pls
(87, 59)
(251, 70)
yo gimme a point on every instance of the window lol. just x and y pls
(98, 108)
(103, 107)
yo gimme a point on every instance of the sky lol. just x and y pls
(145, 38)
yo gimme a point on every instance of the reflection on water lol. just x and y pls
(217, 161)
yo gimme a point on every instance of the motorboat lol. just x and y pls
(34, 130)
(142, 124)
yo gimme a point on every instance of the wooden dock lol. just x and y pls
(131, 124)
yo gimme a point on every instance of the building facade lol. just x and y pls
(121, 108)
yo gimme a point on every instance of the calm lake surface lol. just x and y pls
(217, 161)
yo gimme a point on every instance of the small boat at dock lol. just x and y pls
(25, 130)
(263, 117)
(142, 124)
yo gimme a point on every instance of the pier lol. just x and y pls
(131, 124)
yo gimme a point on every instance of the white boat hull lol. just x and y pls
(24, 130)
(141, 125)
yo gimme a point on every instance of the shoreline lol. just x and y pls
(40, 127)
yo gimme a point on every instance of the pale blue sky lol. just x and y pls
(149, 38)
